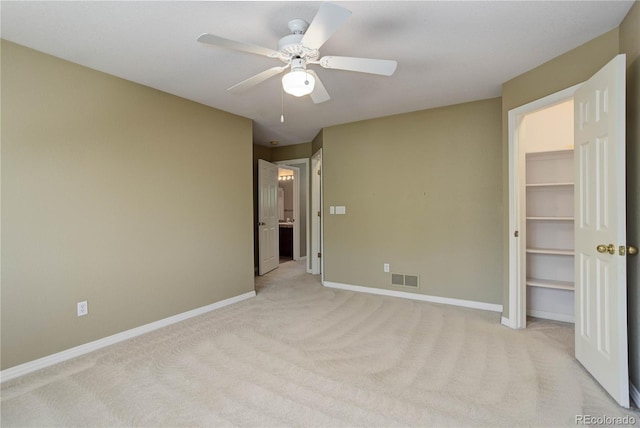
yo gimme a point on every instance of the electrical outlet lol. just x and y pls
(83, 308)
(386, 267)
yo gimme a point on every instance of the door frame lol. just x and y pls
(316, 265)
(295, 166)
(517, 244)
(295, 215)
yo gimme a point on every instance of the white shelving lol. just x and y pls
(550, 235)
(554, 251)
(541, 218)
(547, 283)
(534, 185)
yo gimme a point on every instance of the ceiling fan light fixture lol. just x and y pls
(298, 82)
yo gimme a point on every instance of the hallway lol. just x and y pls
(289, 272)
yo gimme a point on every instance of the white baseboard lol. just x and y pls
(413, 296)
(551, 316)
(635, 394)
(506, 322)
(40, 363)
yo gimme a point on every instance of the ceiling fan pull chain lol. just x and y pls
(281, 104)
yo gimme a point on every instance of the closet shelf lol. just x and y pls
(549, 247)
(548, 185)
(547, 283)
(545, 218)
(553, 251)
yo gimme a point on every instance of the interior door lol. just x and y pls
(600, 229)
(268, 233)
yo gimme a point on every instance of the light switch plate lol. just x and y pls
(341, 210)
(332, 210)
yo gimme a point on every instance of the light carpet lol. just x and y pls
(302, 355)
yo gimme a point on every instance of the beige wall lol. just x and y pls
(316, 144)
(132, 199)
(295, 151)
(423, 193)
(630, 45)
(560, 73)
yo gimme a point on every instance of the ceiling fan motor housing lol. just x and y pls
(298, 26)
(291, 45)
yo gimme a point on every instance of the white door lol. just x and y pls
(600, 229)
(268, 233)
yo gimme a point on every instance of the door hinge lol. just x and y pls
(319, 172)
(319, 255)
(318, 213)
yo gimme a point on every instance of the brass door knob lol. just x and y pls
(631, 250)
(611, 249)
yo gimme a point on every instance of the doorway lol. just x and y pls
(289, 213)
(296, 206)
(556, 267)
(546, 140)
(315, 255)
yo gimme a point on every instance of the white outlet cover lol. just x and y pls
(386, 267)
(83, 308)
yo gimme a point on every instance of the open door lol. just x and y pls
(600, 229)
(268, 238)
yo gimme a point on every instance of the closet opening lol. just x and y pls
(541, 196)
(546, 138)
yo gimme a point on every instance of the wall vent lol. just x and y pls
(411, 280)
(404, 280)
(397, 279)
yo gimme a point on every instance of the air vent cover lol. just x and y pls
(405, 280)
(411, 280)
(397, 279)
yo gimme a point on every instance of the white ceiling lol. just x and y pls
(448, 52)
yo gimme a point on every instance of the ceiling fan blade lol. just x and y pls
(384, 67)
(211, 39)
(258, 78)
(329, 18)
(319, 94)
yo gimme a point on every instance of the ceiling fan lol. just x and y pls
(300, 49)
